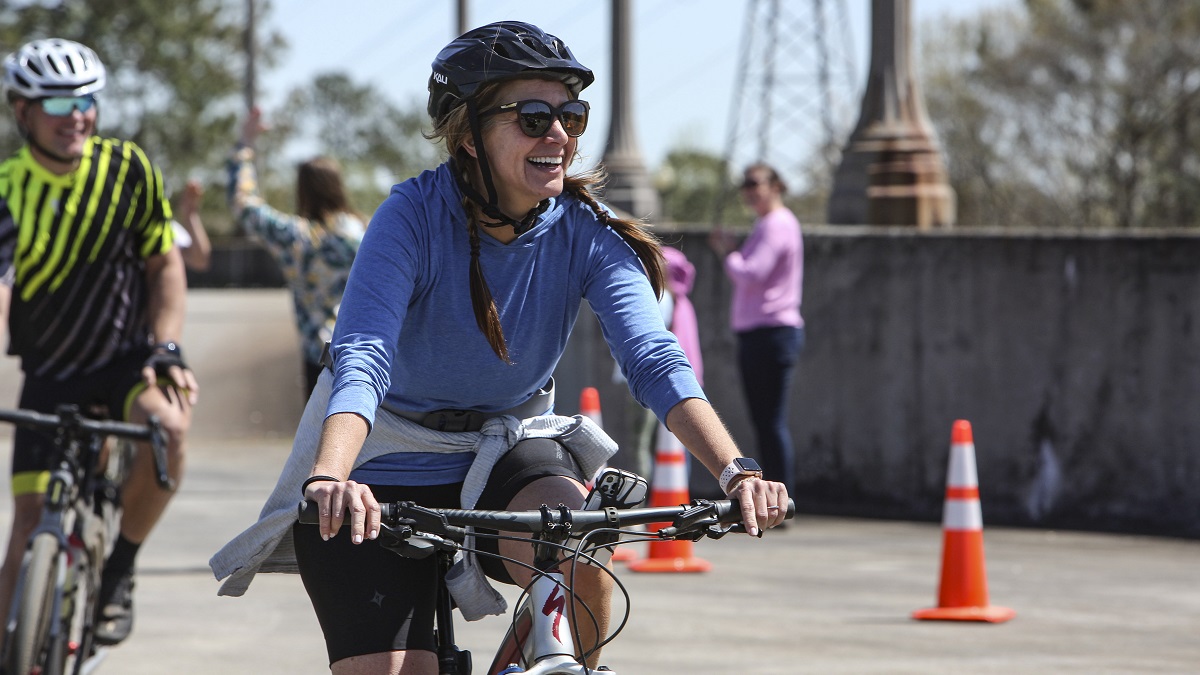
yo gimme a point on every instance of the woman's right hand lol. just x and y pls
(721, 241)
(189, 203)
(335, 498)
(252, 127)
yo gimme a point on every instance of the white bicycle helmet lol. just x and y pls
(53, 67)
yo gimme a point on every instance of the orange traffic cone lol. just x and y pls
(669, 488)
(589, 406)
(963, 594)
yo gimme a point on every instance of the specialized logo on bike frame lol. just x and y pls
(556, 605)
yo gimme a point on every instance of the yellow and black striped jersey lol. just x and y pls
(74, 250)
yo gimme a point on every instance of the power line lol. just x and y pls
(794, 88)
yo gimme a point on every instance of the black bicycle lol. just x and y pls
(543, 634)
(51, 622)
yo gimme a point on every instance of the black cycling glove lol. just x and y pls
(165, 355)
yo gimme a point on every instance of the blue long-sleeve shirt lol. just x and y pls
(406, 332)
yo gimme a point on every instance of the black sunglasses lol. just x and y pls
(536, 117)
(750, 183)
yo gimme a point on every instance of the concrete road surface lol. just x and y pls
(826, 595)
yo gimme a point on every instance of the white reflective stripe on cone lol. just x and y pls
(962, 471)
(670, 466)
(962, 514)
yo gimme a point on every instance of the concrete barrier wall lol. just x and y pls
(1076, 359)
(244, 349)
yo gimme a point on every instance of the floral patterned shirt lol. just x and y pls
(315, 257)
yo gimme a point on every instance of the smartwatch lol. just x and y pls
(741, 466)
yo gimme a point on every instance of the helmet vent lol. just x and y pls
(504, 50)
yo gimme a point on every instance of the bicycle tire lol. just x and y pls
(86, 592)
(28, 645)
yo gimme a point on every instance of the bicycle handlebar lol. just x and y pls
(69, 419)
(700, 514)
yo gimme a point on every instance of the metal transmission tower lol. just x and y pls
(794, 90)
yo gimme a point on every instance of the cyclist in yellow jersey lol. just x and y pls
(92, 290)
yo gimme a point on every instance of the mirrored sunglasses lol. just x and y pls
(536, 117)
(61, 106)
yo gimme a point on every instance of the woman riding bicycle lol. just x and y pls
(457, 311)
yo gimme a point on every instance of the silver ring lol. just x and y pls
(772, 508)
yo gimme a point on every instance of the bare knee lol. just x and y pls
(550, 490)
(174, 418)
(176, 433)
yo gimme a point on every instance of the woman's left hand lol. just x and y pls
(721, 241)
(764, 503)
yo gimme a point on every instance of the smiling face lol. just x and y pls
(526, 170)
(56, 142)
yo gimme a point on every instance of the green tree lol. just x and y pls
(174, 66)
(693, 185)
(377, 143)
(689, 184)
(1075, 113)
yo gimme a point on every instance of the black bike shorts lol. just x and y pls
(370, 600)
(107, 393)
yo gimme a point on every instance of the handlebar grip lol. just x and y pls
(306, 512)
(734, 514)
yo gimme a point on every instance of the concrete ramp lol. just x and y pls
(243, 346)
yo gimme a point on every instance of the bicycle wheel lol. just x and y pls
(85, 594)
(29, 645)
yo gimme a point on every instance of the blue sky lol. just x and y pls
(685, 54)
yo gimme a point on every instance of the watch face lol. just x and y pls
(747, 465)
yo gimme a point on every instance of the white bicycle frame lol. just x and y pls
(542, 632)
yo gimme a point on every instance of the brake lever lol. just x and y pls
(406, 541)
(158, 446)
(716, 531)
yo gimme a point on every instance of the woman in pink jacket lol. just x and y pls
(767, 274)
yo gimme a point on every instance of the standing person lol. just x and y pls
(680, 318)
(190, 236)
(314, 247)
(99, 330)
(681, 277)
(767, 274)
(458, 309)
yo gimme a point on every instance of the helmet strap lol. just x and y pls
(490, 204)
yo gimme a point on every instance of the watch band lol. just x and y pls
(735, 469)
